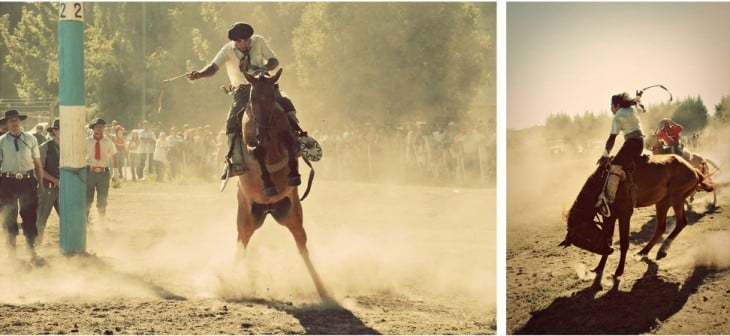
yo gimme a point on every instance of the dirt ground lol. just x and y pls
(396, 259)
(548, 288)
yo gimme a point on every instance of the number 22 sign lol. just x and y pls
(73, 11)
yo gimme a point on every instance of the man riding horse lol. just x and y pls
(670, 135)
(625, 120)
(246, 53)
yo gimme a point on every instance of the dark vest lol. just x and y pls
(53, 159)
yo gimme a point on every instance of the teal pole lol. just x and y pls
(72, 196)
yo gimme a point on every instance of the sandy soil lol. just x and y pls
(397, 260)
(548, 288)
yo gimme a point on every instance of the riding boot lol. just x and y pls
(234, 162)
(294, 122)
(309, 147)
(616, 174)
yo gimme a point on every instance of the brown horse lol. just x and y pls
(707, 167)
(664, 181)
(272, 165)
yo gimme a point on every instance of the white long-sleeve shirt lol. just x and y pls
(259, 52)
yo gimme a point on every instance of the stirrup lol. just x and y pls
(226, 175)
(603, 207)
(310, 148)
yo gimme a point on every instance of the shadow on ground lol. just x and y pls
(650, 301)
(319, 319)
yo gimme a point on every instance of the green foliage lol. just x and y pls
(691, 113)
(31, 48)
(342, 61)
(722, 110)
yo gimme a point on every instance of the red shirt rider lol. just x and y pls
(670, 133)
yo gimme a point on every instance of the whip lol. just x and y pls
(641, 92)
(164, 88)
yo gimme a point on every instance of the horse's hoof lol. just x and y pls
(270, 191)
(618, 274)
(294, 181)
(661, 254)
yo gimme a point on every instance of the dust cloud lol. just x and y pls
(421, 243)
(713, 252)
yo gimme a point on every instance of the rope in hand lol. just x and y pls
(164, 88)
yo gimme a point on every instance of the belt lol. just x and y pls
(97, 169)
(18, 175)
(634, 135)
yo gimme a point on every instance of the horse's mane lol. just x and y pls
(584, 205)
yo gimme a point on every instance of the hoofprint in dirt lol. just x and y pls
(549, 288)
(396, 259)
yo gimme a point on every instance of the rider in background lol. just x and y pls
(626, 120)
(670, 135)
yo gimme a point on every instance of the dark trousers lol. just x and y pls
(19, 194)
(142, 159)
(629, 153)
(99, 183)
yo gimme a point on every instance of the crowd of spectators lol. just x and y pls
(447, 154)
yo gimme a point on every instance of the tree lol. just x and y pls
(691, 113)
(722, 110)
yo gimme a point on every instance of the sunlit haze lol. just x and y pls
(571, 57)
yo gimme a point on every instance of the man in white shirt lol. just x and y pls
(250, 53)
(100, 152)
(20, 171)
(147, 140)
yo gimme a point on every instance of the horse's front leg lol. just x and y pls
(294, 178)
(269, 188)
(608, 229)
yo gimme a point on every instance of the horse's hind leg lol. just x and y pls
(661, 225)
(293, 220)
(681, 221)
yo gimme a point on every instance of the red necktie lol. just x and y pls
(97, 151)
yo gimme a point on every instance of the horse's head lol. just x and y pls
(262, 91)
(583, 230)
(263, 102)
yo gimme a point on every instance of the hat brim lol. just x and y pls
(21, 116)
(91, 126)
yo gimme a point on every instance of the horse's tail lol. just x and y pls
(704, 182)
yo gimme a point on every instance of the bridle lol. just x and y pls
(260, 126)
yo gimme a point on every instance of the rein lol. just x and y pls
(268, 126)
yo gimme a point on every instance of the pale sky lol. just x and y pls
(571, 57)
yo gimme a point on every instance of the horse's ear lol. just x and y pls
(277, 75)
(249, 78)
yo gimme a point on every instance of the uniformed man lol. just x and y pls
(50, 160)
(100, 152)
(20, 171)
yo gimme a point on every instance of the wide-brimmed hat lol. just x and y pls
(56, 124)
(13, 113)
(97, 121)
